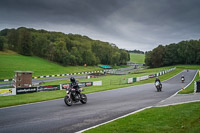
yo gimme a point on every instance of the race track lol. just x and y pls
(55, 116)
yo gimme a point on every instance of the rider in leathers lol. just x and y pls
(74, 85)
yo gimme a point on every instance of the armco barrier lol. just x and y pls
(58, 75)
(14, 91)
(26, 90)
(48, 88)
(83, 84)
(152, 75)
(37, 89)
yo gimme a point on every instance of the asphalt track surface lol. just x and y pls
(46, 80)
(55, 116)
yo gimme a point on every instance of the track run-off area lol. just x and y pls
(55, 116)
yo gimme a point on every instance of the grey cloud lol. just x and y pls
(131, 24)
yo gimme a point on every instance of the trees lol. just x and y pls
(148, 58)
(1, 43)
(184, 52)
(157, 56)
(65, 49)
(13, 39)
(25, 42)
(171, 55)
(123, 56)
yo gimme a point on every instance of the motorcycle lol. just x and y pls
(182, 79)
(158, 86)
(74, 96)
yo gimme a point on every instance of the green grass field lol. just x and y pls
(10, 62)
(183, 118)
(137, 58)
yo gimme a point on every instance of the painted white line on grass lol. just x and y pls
(114, 119)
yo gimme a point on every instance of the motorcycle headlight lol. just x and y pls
(67, 92)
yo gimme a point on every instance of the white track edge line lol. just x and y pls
(114, 119)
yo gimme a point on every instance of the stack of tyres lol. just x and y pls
(198, 86)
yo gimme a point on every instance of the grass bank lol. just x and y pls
(13, 61)
(137, 58)
(183, 118)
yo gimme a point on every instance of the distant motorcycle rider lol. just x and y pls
(182, 78)
(157, 79)
(158, 84)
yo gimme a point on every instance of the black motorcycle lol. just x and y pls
(74, 96)
(158, 86)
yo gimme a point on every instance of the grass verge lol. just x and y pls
(172, 119)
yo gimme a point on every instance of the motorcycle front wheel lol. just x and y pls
(83, 99)
(68, 101)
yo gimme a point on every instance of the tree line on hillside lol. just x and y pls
(65, 49)
(136, 51)
(184, 52)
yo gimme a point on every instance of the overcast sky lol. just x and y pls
(130, 24)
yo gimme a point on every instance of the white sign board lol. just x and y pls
(130, 80)
(97, 83)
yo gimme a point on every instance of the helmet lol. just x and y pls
(72, 79)
(156, 77)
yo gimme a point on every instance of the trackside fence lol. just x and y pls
(16, 91)
(136, 79)
(58, 75)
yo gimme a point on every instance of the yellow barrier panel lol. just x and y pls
(199, 74)
(5, 91)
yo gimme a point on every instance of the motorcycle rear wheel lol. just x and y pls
(68, 101)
